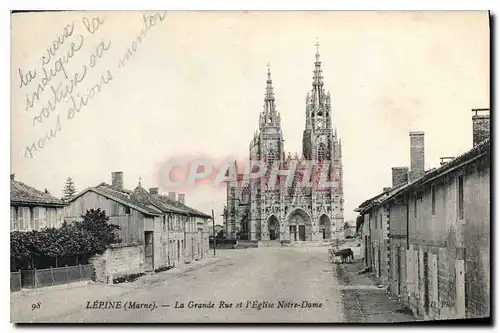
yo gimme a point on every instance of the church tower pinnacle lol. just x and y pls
(317, 138)
(268, 142)
(317, 90)
(269, 116)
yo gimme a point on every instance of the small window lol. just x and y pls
(51, 215)
(433, 198)
(31, 219)
(461, 197)
(127, 210)
(270, 157)
(36, 218)
(321, 152)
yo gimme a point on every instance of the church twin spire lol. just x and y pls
(269, 99)
(269, 116)
(317, 99)
(317, 90)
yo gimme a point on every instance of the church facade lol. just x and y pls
(256, 211)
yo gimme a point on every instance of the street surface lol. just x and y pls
(248, 285)
(258, 277)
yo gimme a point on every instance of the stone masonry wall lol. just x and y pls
(117, 262)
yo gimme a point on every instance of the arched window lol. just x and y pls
(245, 194)
(270, 157)
(321, 152)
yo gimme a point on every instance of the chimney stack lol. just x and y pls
(153, 190)
(385, 189)
(117, 180)
(417, 152)
(181, 198)
(445, 160)
(480, 126)
(171, 195)
(399, 176)
(12, 176)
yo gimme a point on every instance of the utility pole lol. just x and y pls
(213, 223)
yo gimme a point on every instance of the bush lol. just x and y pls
(128, 278)
(91, 236)
(164, 268)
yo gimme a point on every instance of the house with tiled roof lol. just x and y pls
(155, 231)
(32, 209)
(428, 236)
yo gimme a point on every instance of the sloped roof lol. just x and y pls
(141, 195)
(121, 196)
(369, 203)
(141, 200)
(21, 193)
(191, 211)
(464, 159)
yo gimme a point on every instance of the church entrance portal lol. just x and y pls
(325, 226)
(274, 228)
(302, 232)
(293, 233)
(300, 226)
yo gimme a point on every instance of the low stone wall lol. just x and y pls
(277, 243)
(269, 244)
(117, 262)
(307, 244)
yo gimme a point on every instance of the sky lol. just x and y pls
(193, 85)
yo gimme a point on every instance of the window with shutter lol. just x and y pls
(21, 218)
(28, 217)
(36, 218)
(13, 219)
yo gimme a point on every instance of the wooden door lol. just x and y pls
(148, 250)
(302, 232)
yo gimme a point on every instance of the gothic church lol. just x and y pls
(256, 212)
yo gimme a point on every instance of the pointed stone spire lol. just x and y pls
(269, 117)
(317, 91)
(269, 99)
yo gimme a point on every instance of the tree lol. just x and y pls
(69, 189)
(220, 234)
(101, 233)
(359, 223)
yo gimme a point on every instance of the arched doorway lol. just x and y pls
(273, 225)
(325, 227)
(300, 225)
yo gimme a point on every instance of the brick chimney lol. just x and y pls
(480, 126)
(399, 176)
(181, 198)
(153, 190)
(171, 195)
(445, 160)
(417, 152)
(12, 176)
(117, 180)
